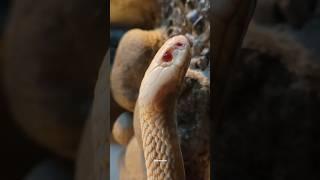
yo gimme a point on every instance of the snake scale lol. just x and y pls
(156, 103)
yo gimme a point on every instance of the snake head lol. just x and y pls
(164, 76)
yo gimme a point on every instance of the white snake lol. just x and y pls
(157, 106)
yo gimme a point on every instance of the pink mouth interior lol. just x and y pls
(167, 57)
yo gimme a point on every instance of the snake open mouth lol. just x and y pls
(167, 56)
(173, 52)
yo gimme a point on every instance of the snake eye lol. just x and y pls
(167, 57)
(179, 44)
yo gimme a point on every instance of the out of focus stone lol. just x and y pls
(93, 156)
(54, 49)
(134, 13)
(272, 106)
(294, 13)
(134, 54)
(51, 170)
(123, 128)
(297, 12)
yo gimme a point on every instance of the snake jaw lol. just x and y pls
(177, 47)
(164, 77)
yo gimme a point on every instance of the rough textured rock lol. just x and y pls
(193, 117)
(54, 49)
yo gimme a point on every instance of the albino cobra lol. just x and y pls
(156, 103)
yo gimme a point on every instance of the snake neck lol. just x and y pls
(161, 145)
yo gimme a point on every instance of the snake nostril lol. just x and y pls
(167, 57)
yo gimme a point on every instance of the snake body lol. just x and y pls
(156, 103)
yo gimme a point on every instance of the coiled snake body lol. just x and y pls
(156, 103)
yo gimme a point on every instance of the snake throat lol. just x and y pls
(157, 110)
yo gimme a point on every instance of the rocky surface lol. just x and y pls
(190, 18)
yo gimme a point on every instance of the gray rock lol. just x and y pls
(50, 170)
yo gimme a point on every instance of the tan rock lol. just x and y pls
(132, 163)
(134, 54)
(134, 13)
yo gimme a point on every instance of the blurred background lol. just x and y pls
(50, 54)
(271, 121)
(18, 154)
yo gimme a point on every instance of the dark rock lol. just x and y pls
(54, 49)
(51, 170)
(93, 155)
(270, 124)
